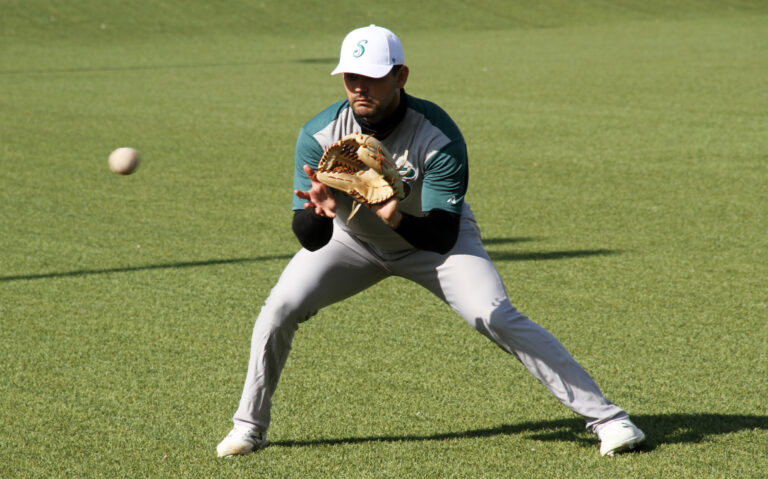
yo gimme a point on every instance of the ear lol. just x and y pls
(402, 76)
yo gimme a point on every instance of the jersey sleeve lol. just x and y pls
(308, 152)
(446, 178)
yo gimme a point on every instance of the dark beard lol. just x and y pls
(383, 128)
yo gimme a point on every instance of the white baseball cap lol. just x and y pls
(370, 51)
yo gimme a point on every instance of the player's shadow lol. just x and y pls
(128, 269)
(547, 255)
(659, 429)
(125, 68)
(151, 67)
(495, 255)
(497, 241)
(537, 255)
(318, 61)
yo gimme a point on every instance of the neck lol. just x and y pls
(383, 128)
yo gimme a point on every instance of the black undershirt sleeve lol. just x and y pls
(312, 230)
(437, 231)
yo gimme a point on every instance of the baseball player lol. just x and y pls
(429, 237)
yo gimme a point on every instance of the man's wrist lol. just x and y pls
(395, 220)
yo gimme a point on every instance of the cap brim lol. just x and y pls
(372, 71)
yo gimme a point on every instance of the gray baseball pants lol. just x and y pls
(465, 279)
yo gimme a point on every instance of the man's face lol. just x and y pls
(375, 98)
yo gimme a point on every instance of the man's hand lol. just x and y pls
(388, 212)
(318, 196)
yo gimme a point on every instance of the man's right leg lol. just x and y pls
(311, 281)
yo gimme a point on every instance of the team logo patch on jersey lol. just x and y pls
(407, 171)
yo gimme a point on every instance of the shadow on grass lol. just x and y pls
(106, 69)
(151, 67)
(128, 269)
(538, 255)
(659, 429)
(521, 239)
(318, 61)
(546, 255)
(495, 256)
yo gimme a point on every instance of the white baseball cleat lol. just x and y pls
(619, 435)
(240, 441)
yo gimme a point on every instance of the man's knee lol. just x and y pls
(281, 312)
(499, 321)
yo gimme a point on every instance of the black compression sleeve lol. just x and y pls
(437, 231)
(313, 231)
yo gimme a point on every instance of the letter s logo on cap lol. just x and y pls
(360, 49)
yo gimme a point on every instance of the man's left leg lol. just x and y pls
(467, 280)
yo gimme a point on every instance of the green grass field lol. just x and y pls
(619, 171)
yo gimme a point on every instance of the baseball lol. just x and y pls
(124, 160)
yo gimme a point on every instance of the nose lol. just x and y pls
(360, 85)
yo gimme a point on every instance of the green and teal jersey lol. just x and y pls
(427, 147)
